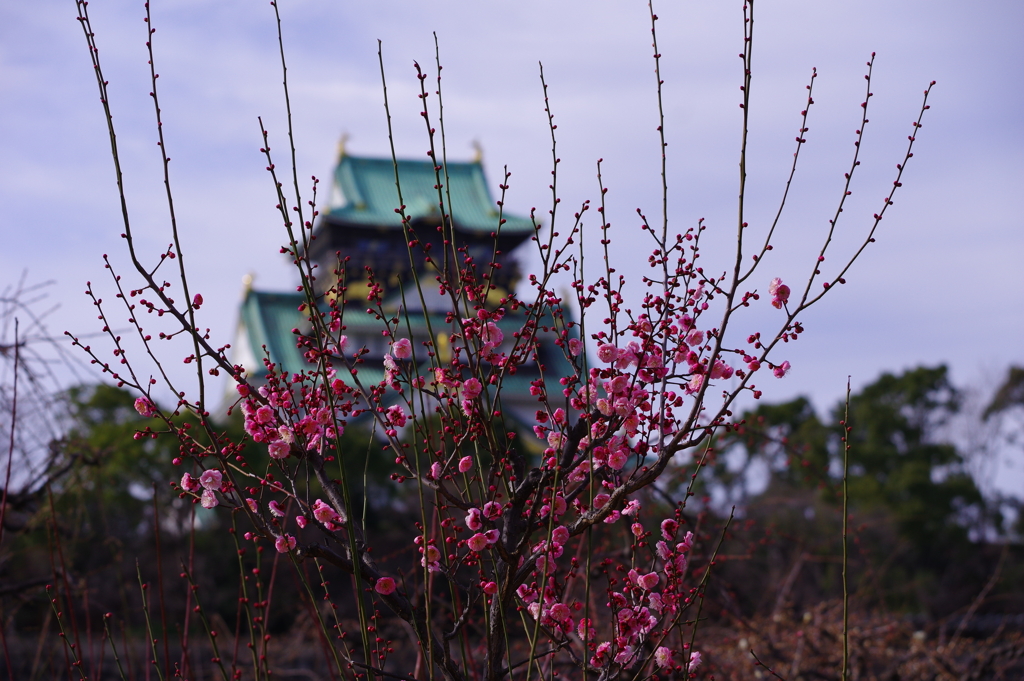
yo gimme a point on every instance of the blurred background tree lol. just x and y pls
(919, 520)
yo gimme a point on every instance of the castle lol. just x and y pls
(361, 224)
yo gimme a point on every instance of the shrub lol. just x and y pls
(564, 545)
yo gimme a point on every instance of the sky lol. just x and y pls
(942, 284)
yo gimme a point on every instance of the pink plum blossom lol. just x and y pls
(478, 542)
(188, 483)
(526, 593)
(600, 658)
(628, 356)
(145, 407)
(491, 335)
(618, 385)
(472, 388)
(208, 499)
(390, 368)
(560, 505)
(779, 293)
(617, 459)
(580, 474)
(575, 347)
(326, 514)
(211, 479)
(284, 543)
(606, 352)
(560, 535)
(559, 612)
(385, 586)
(473, 519)
(465, 463)
(278, 449)
(492, 510)
(649, 581)
(402, 348)
(275, 509)
(721, 370)
(668, 528)
(396, 416)
(663, 657)
(781, 370)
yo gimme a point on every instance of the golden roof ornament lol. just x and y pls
(341, 145)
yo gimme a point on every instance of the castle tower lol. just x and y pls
(361, 224)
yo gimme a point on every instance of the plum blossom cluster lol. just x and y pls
(642, 612)
(531, 515)
(509, 532)
(503, 526)
(208, 484)
(264, 422)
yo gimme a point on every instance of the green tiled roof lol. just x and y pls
(368, 186)
(269, 319)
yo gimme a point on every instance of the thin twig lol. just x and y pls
(846, 519)
(758, 662)
(7, 481)
(113, 648)
(979, 599)
(14, 421)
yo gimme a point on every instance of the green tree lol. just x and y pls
(898, 462)
(911, 498)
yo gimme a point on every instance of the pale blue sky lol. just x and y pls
(943, 283)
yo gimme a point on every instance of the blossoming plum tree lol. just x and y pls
(562, 546)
